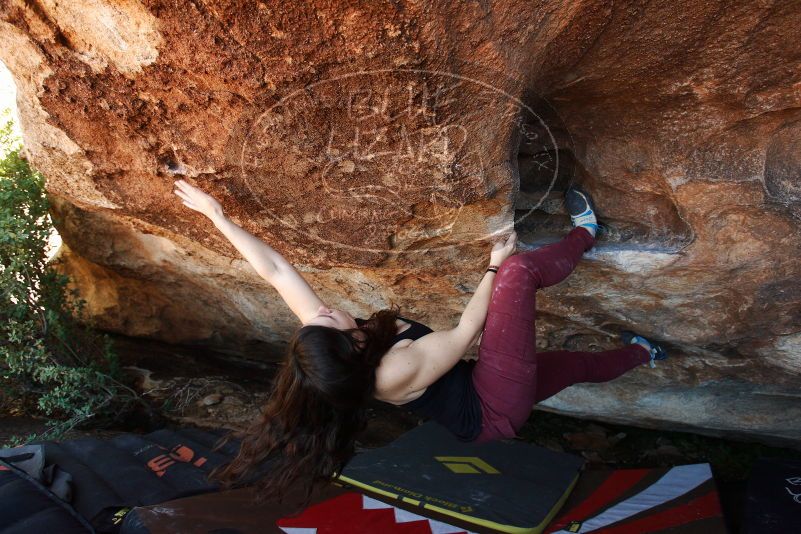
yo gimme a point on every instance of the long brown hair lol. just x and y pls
(308, 427)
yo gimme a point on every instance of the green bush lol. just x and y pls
(50, 363)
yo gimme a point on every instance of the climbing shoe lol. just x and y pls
(656, 351)
(581, 209)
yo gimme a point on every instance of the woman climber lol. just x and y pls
(336, 363)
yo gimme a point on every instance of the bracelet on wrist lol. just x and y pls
(493, 268)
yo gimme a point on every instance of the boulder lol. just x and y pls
(382, 146)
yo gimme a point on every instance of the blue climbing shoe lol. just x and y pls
(656, 350)
(581, 209)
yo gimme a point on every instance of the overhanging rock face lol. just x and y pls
(377, 145)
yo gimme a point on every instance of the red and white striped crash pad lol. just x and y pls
(677, 500)
(354, 513)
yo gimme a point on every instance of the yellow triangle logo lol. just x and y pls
(467, 465)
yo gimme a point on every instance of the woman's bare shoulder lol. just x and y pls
(393, 373)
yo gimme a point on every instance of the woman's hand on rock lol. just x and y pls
(197, 200)
(503, 249)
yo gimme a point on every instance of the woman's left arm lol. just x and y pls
(266, 261)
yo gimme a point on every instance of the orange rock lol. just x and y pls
(371, 142)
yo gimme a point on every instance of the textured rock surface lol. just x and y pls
(379, 180)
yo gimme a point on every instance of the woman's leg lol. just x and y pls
(559, 369)
(505, 376)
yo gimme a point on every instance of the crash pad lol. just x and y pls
(502, 485)
(333, 511)
(109, 477)
(675, 500)
(773, 498)
(27, 506)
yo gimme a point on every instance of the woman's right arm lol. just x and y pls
(475, 313)
(425, 360)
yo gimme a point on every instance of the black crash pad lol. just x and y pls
(27, 507)
(505, 486)
(773, 501)
(109, 477)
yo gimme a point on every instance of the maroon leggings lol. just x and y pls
(510, 376)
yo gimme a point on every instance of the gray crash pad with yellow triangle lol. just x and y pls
(505, 486)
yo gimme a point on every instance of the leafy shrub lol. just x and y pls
(49, 363)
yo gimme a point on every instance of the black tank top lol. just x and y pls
(451, 400)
